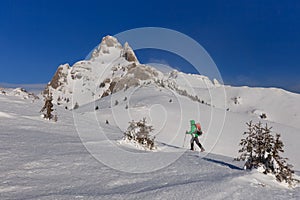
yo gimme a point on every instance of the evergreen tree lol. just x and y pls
(48, 106)
(261, 149)
(76, 106)
(140, 132)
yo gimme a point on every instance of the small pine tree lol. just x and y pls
(48, 106)
(260, 149)
(76, 106)
(140, 132)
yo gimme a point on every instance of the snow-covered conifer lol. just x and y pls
(48, 107)
(139, 132)
(261, 149)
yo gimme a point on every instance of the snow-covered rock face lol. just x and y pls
(92, 79)
(128, 53)
(60, 76)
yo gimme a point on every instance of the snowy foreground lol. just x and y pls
(48, 160)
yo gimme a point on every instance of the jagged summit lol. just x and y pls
(104, 47)
(110, 44)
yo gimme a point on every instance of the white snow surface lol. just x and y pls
(42, 159)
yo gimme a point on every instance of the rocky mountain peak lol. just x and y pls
(104, 47)
(110, 44)
(110, 41)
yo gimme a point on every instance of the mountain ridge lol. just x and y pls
(113, 67)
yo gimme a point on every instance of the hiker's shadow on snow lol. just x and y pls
(222, 163)
(169, 145)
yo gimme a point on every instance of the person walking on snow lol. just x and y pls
(195, 133)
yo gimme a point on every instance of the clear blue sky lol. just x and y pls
(254, 43)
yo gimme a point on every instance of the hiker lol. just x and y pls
(195, 132)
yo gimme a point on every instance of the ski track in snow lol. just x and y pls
(45, 160)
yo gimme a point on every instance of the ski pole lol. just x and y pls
(184, 139)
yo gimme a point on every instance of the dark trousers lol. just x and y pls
(197, 142)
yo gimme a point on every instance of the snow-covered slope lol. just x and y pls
(278, 105)
(223, 129)
(47, 160)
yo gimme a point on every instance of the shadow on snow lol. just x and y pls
(222, 163)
